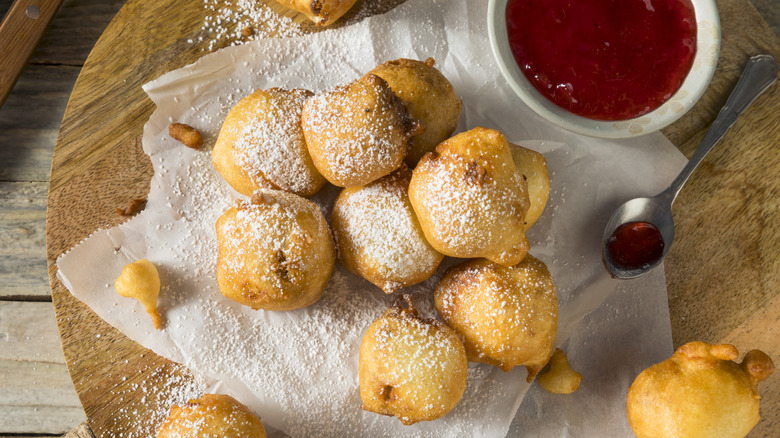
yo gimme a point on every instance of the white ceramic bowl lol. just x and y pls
(707, 48)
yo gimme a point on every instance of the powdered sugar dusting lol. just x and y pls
(466, 210)
(379, 228)
(269, 141)
(234, 22)
(356, 133)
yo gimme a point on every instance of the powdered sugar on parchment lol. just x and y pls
(298, 370)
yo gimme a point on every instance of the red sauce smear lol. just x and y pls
(603, 59)
(634, 245)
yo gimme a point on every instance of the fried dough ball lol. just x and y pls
(261, 145)
(411, 368)
(357, 133)
(428, 96)
(698, 392)
(471, 200)
(140, 280)
(213, 415)
(506, 316)
(321, 12)
(275, 253)
(378, 235)
(533, 166)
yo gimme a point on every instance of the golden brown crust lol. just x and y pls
(275, 253)
(428, 96)
(213, 415)
(411, 368)
(320, 12)
(261, 145)
(357, 133)
(698, 392)
(470, 199)
(533, 167)
(506, 316)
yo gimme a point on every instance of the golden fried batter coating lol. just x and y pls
(411, 368)
(275, 253)
(378, 235)
(560, 378)
(261, 145)
(471, 200)
(213, 415)
(507, 316)
(428, 97)
(533, 166)
(698, 392)
(140, 280)
(321, 12)
(357, 133)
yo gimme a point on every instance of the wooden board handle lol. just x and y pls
(20, 33)
(83, 431)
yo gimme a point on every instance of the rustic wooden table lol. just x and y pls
(36, 394)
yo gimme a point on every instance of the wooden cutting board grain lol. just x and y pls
(723, 273)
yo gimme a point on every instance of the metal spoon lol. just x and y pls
(759, 74)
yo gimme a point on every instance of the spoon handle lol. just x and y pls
(759, 74)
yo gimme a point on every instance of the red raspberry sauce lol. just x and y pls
(603, 59)
(635, 244)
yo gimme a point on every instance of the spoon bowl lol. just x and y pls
(760, 73)
(655, 210)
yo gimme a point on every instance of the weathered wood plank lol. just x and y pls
(23, 270)
(74, 31)
(83, 431)
(30, 120)
(36, 394)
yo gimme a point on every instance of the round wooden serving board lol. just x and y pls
(723, 273)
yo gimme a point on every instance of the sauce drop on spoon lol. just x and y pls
(634, 245)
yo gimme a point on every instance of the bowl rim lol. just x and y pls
(694, 84)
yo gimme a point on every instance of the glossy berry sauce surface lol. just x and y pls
(603, 59)
(635, 245)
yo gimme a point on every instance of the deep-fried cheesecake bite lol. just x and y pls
(428, 96)
(275, 253)
(378, 235)
(321, 12)
(507, 316)
(357, 133)
(261, 145)
(699, 392)
(213, 415)
(470, 199)
(411, 368)
(533, 167)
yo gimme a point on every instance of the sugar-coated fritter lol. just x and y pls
(320, 12)
(261, 145)
(379, 236)
(275, 253)
(213, 415)
(470, 199)
(507, 316)
(699, 392)
(357, 133)
(428, 96)
(411, 368)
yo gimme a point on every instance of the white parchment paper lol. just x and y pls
(298, 370)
